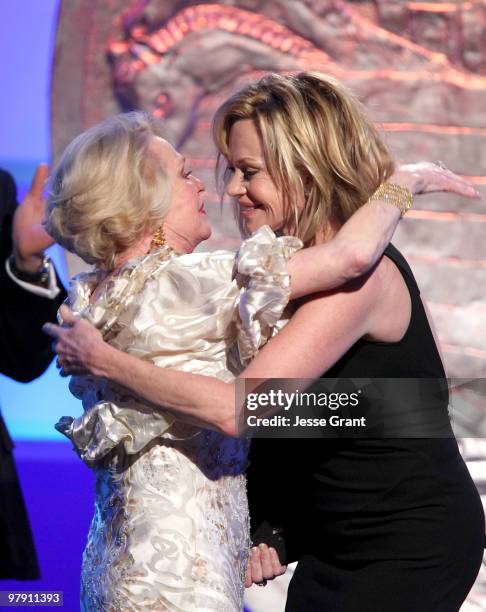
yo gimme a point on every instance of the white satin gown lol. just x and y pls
(171, 528)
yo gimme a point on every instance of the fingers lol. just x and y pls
(39, 181)
(255, 565)
(278, 568)
(66, 369)
(263, 564)
(461, 188)
(457, 183)
(446, 180)
(266, 562)
(68, 316)
(464, 188)
(52, 330)
(429, 177)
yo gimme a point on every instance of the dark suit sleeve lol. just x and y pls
(25, 351)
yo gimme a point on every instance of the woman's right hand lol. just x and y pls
(79, 345)
(429, 177)
(263, 565)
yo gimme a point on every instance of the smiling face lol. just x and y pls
(186, 224)
(303, 155)
(259, 200)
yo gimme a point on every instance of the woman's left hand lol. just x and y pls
(263, 565)
(78, 344)
(429, 177)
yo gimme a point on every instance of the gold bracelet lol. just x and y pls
(399, 196)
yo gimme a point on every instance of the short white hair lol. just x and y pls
(108, 189)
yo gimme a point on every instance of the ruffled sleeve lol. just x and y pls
(108, 425)
(261, 271)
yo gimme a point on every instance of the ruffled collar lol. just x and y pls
(120, 288)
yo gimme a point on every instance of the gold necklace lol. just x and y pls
(158, 239)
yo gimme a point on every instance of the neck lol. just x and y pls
(142, 247)
(177, 241)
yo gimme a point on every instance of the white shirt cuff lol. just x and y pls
(49, 292)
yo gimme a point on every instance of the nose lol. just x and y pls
(199, 184)
(235, 186)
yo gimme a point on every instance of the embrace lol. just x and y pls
(156, 335)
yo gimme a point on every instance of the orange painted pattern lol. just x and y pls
(456, 262)
(216, 16)
(477, 180)
(427, 128)
(428, 74)
(472, 351)
(434, 215)
(435, 7)
(148, 47)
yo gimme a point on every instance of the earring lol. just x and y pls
(158, 239)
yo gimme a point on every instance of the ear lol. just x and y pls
(307, 184)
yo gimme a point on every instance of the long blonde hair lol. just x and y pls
(317, 141)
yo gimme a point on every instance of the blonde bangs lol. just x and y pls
(318, 144)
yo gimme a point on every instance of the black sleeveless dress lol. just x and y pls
(378, 525)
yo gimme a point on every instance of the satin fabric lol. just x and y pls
(171, 527)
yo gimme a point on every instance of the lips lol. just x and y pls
(201, 209)
(249, 208)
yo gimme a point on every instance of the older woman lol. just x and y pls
(170, 529)
(379, 518)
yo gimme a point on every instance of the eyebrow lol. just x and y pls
(248, 160)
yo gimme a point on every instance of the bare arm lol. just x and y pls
(295, 352)
(352, 252)
(360, 242)
(202, 400)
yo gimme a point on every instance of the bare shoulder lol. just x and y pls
(378, 304)
(326, 325)
(323, 328)
(359, 293)
(393, 304)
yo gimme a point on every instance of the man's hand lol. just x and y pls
(263, 565)
(79, 345)
(28, 235)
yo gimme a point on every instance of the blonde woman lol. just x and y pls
(302, 157)
(170, 529)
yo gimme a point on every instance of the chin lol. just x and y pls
(206, 233)
(255, 224)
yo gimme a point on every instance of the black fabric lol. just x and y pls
(378, 524)
(25, 353)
